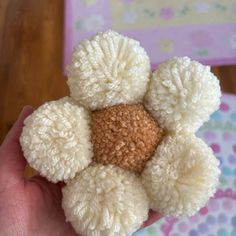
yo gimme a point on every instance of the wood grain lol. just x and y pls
(31, 45)
(31, 42)
(227, 77)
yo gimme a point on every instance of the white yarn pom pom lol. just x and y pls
(56, 140)
(105, 201)
(109, 69)
(182, 94)
(182, 175)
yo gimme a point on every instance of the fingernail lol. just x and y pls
(26, 111)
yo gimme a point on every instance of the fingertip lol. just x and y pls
(27, 110)
(16, 129)
(152, 218)
(27, 107)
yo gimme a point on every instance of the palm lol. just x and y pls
(33, 208)
(48, 214)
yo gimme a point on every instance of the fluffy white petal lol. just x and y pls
(182, 175)
(182, 94)
(56, 140)
(109, 69)
(105, 201)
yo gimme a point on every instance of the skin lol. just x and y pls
(31, 206)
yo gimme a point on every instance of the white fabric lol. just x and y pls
(108, 70)
(182, 175)
(56, 140)
(182, 94)
(105, 201)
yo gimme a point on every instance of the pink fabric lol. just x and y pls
(212, 43)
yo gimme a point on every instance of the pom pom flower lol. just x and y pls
(124, 141)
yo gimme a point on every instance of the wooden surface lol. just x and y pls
(31, 43)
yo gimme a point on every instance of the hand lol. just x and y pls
(30, 207)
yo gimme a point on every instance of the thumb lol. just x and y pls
(12, 162)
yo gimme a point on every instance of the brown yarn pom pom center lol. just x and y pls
(125, 136)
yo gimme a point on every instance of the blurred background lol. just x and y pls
(36, 42)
